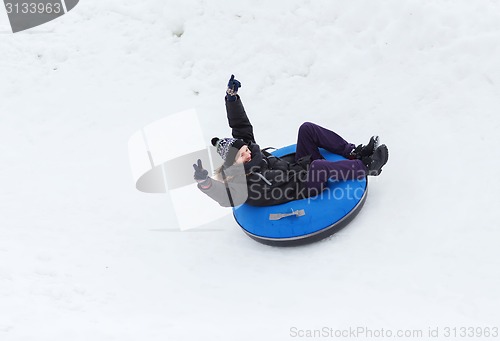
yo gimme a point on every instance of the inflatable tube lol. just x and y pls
(304, 221)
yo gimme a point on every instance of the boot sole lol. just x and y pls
(373, 144)
(383, 160)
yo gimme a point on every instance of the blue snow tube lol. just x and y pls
(304, 221)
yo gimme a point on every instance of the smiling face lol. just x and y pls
(244, 155)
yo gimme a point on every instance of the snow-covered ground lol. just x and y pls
(85, 256)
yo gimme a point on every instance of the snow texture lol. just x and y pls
(85, 256)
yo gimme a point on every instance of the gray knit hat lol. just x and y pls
(227, 148)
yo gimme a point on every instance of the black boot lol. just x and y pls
(375, 162)
(362, 151)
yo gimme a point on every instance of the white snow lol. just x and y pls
(85, 256)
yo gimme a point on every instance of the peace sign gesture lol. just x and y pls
(200, 174)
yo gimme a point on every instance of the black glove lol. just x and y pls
(200, 174)
(232, 89)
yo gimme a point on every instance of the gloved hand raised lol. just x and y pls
(201, 175)
(232, 89)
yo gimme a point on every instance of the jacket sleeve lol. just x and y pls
(238, 121)
(218, 192)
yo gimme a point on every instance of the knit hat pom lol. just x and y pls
(214, 141)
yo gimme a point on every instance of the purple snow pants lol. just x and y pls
(310, 137)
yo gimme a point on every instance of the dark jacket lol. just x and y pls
(269, 180)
